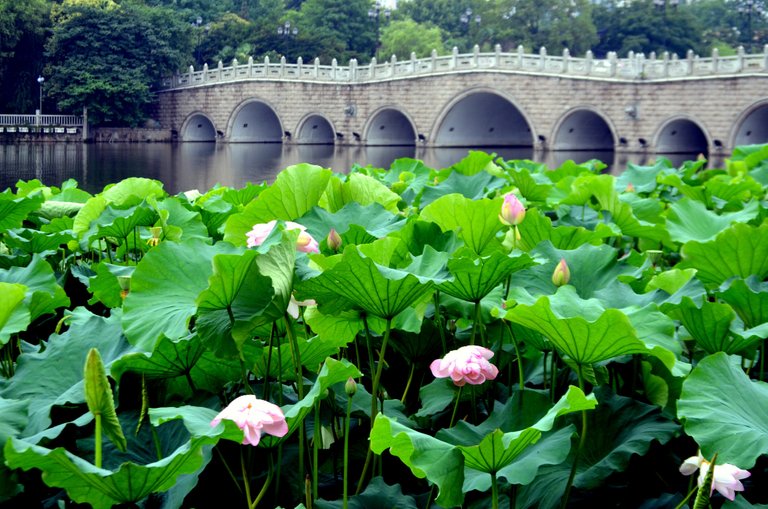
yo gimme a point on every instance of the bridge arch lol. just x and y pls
(681, 135)
(389, 126)
(752, 125)
(482, 117)
(255, 121)
(583, 128)
(315, 129)
(198, 127)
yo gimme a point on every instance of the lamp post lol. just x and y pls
(466, 20)
(287, 31)
(40, 81)
(196, 25)
(748, 8)
(375, 14)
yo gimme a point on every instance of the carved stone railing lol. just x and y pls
(12, 120)
(632, 68)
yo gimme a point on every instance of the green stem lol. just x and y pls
(246, 480)
(553, 383)
(546, 354)
(264, 488)
(476, 323)
(494, 491)
(521, 381)
(346, 452)
(687, 497)
(582, 441)
(455, 407)
(97, 442)
(299, 383)
(439, 323)
(408, 384)
(368, 343)
(244, 375)
(265, 393)
(229, 470)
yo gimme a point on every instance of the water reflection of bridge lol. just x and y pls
(638, 104)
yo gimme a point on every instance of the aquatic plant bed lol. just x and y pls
(493, 334)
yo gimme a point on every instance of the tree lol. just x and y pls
(23, 28)
(340, 28)
(108, 57)
(402, 37)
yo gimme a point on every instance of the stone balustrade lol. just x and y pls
(632, 68)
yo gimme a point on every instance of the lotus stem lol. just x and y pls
(371, 364)
(264, 488)
(494, 491)
(316, 444)
(475, 324)
(299, 383)
(439, 323)
(455, 407)
(408, 384)
(246, 481)
(346, 453)
(265, 392)
(582, 441)
(521, 380)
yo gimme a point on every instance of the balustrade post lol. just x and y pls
(542, 58)
(205, 72)
(566, 60)
(665, 68)
(454, 57)
(433, 60)
(250, 67)
(317, 67)
(372, 67)
(392, 65)
(740, 62)
(590, 61)
(299, 65)
(352, 69)
(612, 64)
(334, 68)
(476, 56)
(689, 62)
(282, 66)
(715, 60)
(191, 73)
(765, 57)
(220, 70)
(266, 66)
(413, 62)
(497, 55)
(234, 68)
(520, 52)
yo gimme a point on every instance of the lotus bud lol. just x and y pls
(125, 285)
(630, 188)
(512, 210)
(333, 240)
(562, 273)
(350, 387)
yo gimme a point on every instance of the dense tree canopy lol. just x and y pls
(108, 54)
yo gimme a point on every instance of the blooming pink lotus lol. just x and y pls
(261, 231)
(512, 210)
(726, 479)
(468, 364)
(254, 416)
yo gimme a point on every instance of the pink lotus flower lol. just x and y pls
(261, 231)
(512, 210)
(726, 479)
(254, 416)
(468, 364)
(293, 306)
(333, 240)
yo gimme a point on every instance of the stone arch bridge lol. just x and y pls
(637, 104)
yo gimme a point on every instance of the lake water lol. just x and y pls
(186, 166)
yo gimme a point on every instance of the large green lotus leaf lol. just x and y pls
(749, 298)
(440, 462)
(14, 313)
(87, 214)
(742, 503)
(585, 341)
(377, 495)
(360, 189)
(120, 223)
(44, 295)
(711, 325)
(725, 412)
(476, 222)
(417, 234)
(102, 488)
(276, 261)
(34, 241)
(237, 294)
(475, 162)
(741, 250)
(132, 191)
(295, 191)
(374, 218)
(166, 283)
(537, 228)
(621, 213)
(531, 188)
(618, 429)
(642, 178)
(472, 187)
(342, 326)
(357, 280)
(180, 223)
(408, 177)
(14, 420)
(104, 285)
(475, 276)
(64, 356)
(691, 220)
(14, 210)
(657, 331)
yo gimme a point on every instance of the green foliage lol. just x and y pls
(403, 37)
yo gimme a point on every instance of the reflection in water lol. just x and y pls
(202, 165)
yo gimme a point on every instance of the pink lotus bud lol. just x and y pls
(254, 416)
(512, 210)
(630, 188)
(562, 273)
(350, 387)
(333, 240)
(468, 364)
